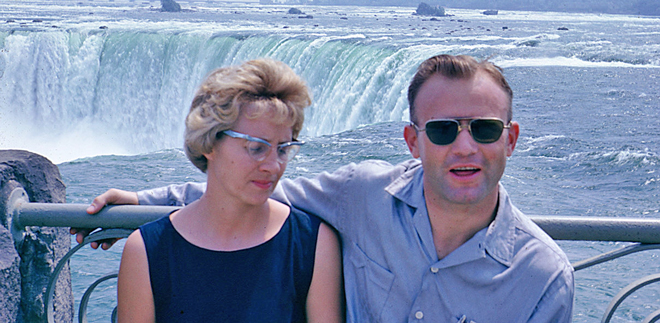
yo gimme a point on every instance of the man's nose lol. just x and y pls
(464, 143)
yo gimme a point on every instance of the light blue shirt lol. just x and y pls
(510, 271)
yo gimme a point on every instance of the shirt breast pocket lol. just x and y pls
(373, 284)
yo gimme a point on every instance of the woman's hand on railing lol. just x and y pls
(112, 196)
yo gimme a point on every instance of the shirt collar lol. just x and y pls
(406, 188)
(499, 238)
(501, 235)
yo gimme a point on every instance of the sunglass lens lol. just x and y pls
(486, 131)
(442, 132)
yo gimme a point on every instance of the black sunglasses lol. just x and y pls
(483, 130)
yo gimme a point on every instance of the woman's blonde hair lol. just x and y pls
(268, 86)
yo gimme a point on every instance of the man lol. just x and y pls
(435, 238)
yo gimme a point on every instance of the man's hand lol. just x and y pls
(111, 196)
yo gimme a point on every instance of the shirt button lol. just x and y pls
(419, 315)
(434, 270)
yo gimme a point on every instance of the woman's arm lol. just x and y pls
(325, 300)
(135, 302)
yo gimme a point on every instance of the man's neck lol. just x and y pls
(453, 225)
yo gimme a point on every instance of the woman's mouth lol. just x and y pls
(263, 184)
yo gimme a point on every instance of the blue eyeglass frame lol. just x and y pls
(235, 134)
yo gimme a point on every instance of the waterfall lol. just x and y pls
(70, 93)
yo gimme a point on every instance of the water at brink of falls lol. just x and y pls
(101, 88)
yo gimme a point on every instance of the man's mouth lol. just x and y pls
(465, 171)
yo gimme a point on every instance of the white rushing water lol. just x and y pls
(88, 78)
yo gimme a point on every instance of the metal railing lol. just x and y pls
(120, 220)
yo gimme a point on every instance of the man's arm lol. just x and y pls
(330, 196)
(111, 196)
(326, 195)
(172, 195)
(308, 195)
(556, 305)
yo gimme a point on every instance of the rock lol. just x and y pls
(41, 247)
(294, 11)
(169, 6)
(425, 9)
(10, 278)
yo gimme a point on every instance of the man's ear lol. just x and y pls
(411, 137)
(512, 138)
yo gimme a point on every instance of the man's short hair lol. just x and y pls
(268, 86)
(455, 67)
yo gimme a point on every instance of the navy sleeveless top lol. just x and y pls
(265, 283)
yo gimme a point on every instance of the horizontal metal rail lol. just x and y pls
(587, 228)
(132, 216)
(22, 213)
(75, 215)
(119, 220)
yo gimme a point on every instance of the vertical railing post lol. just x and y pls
(27, 261)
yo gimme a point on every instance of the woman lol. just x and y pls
(236, 255)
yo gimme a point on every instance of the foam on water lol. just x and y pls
(564, 61)
(72, 89)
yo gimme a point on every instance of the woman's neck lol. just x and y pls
(225, 225)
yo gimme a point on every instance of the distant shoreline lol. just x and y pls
(646, 8)
(640, 7)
